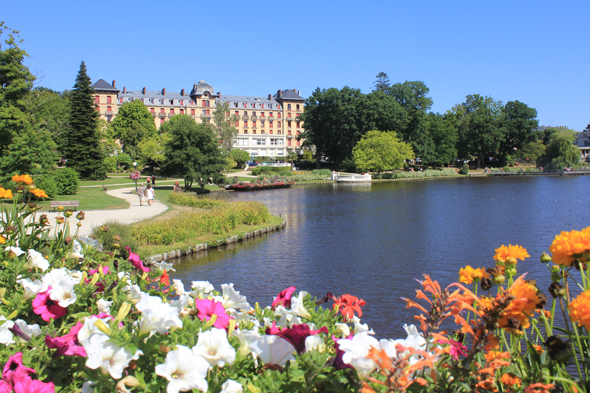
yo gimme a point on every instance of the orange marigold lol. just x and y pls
(26, 179)
(5, 194)
(493, 355)
(567, 244)
(468, 274)
(516, 252)
(39, 193)
(510, 380)
(580, 309)
(525, 296)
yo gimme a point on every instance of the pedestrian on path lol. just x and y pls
(154, 180)
(150, 194)
(141, 192)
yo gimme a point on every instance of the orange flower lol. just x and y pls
(2, 239)
(39, 193)
(516, 252)
(538, 388)
(493, 355)
(5, 194)
(468, 274)
(580, 309)
(348, 304)
(26, 179)
(567, 244)
(164, 279)
(510, 380)
(521, 308)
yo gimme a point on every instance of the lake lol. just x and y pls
(374, 240)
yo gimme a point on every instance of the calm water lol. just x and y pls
(373, 241)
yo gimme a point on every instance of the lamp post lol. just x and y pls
(135, 175)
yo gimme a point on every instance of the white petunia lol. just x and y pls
(184, 371)
(356, 351)
(231, 386)
(104, 306)
(200, 288)
(29, 330)
(273, 350)
(244, 317)
(298, 307)
(164, 266)
(184, 301)
(314, 343)
(414, 340)
(111, 358)
(63, 292)
(76, 275)
(246, 338)
(360, 327)
(31, 287)
(135, 293)
(232, 299)
(343, 329)
(88, 387)
(288, 318)
(77, 250)
(89, 241)
(178, 287)
(14, 250)
(6, 337)
(156, 316)
(89, 328)
(214, 348)
(35, 259)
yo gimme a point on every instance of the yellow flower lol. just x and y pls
(60, 208)
(39, 193)
(566, 244)
(580, 309)
(5, 194)
(2, 239)
(26, 179)
(516, 252)
(468, 274)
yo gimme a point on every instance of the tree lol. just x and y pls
(83, 150)
(519, 122)
(382, 83)
(380, 151)
(133, 123)
(192, 151)
(561, 151)
(223, 123)
(152, 149)
(531, 151)
(241, 157)
(444, 135)
(230, 163)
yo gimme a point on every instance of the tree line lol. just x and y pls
(481, 128)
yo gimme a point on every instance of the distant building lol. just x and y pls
(582, 140)
(267, 126)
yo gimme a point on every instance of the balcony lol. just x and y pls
(162, 114)
(263, 117)
(109, 113)
(245, 117)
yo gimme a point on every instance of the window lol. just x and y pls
(97, 100)
(152, 110)
(298, 143)
(171, 111)
(288, 142)
(151, 100)
(97, 109)
(245, 131)
(279, 115)
(270, 114)
(271, 123)
(289, 114)
(109, 109)
(245, 105)
(237, 123)
(289, 132)
(253, 131)
(297, 124)
(276, 141)
(203, 112)
(261, 123)
(161, 110)
(109, 118)
(297, 106)
(237, 113)
(262, 106)
(208, 112)
(205, 103)
(253, 123)
(253, 105)
(289, 106)
(259, 141)
(108, 99)
(181, 102)
(241, 142)
(279, 124)
(280, 152)
(289, 124)
(254, 113)
(182, 111)
(192, 112)
(245, 123)
(270, 132)
(245, 113)
(278, 107)
(262, 114)
(161, 121)
(298, 133)
(121, 100)
(262, 152)
(171, 102)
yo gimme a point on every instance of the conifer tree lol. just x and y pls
(83, 150)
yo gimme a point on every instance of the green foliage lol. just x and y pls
(518, 122)
(561, 152)
(240, 157)
(464, 169)
(380, 151)
(531, 151)
(307, 155)
(258, 170)
(192, 151)
(230, 163)
(46, 183)
(83, 149)
(322, 172)
(67, 181)
(444, 135)
(110, 164)
(152, 149)
(223, 123)
(133, 123)
(49, 111)
(31, 151)
(186, 199)
(106, 234)
(124, 161)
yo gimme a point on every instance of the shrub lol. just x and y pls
(67, 180)
(110, 164)
(46, 183)
(124, 160)
(388, 175)
(464, 169)
(325, 172)
(376, 176)
(114, 228)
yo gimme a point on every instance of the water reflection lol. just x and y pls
(374, 240)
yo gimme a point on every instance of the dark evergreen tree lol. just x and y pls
(83, 150)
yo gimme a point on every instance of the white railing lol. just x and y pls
(351, 177)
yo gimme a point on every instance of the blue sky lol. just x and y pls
(536, 52)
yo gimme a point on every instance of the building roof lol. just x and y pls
(101, 84)
(262, 100)
(290, 94)
(154, 94)
(202, 87)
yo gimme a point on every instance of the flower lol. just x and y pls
(567, 244)
(509, 381)
(214, 348)
(164, 279)
(232, 299)
(5, 194)
(579, 309)
(207, 308)
(414, 340)
(105, 270)
(164, 266)
(296, 335)
(314, 343)
(24, 329)
(136, 262)
(35, 259)
(31, 287)
(516, 252)
(273, 350)
(156, 316)
(111, 358)
(298, 306)
(348, 304)
(468, 274)
(63, 292)
(25, 179)
(283, 298)
(39, 193)
(43, 305)
(67, 345)
(14, 251)
(5, 333)
(77, 250)
(246, 337)
(356, 351)
(525, 297)
(135, 293)
(28, 385)
(178, 287)
(104, 306)
(231, 386)
(15, 370)
(184, 371)
(200, 288)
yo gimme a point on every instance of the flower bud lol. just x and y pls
(555, 268)
(510, 261)
(80, 216)
(486, 284)
(545, 258)
(60, 208)
(60, 220)
(100, 325)
(556, 290)
(499, 279)
(68, 213)
(123, 311)
(43, 219)
(500, 262)
(556, 276)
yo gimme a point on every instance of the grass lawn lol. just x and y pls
(90, 199)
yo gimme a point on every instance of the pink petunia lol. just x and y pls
(14, 369)
(136, 262)
(284, 298)
(4, 387)
(28, 385)
(296, 335)
(67, 345)
(207, 308)
(105, 270)
(47, 308)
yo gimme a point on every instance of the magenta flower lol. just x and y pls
(105, 270)
(14, 370)
(47, 308)
(67, 345)
(284, 298)
(28, 385)
(136, 262)
(296, 335)
(207, 308)
(457, 349)
(4, 387)
(338, 363)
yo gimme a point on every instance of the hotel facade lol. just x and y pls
(267, 126)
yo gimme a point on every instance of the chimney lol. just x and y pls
(143, 91)
(164, 91)
(218, 94)
(114, 83)
(279, 93)
(298, 92)
(270, 97)
(124, 90)
(182, 92)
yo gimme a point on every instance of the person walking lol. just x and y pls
(150, 194)
(154, 180)
(141, 193)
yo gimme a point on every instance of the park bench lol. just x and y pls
(55, 204)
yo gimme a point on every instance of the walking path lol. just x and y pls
(96, 218)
